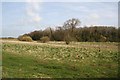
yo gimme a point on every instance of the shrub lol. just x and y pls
(25, 38)
(44, 39)
(103, 38)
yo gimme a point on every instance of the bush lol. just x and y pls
(103, 38)
(25, 38)
(44, 39)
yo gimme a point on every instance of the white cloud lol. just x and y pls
(33, 10)
(92, 19)
(94, 16)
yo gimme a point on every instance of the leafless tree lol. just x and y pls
(71, 24)
(69, 27)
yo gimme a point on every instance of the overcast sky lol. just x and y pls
(23, 17)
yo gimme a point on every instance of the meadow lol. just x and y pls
(58, 60)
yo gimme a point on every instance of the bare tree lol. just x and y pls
(69, 27)
(52, 36)
(71, 24)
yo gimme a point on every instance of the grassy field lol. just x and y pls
(58, 60)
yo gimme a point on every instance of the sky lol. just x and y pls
(23, 17)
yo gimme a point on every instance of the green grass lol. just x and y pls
(36, 61)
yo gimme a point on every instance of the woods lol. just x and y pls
(71, 31)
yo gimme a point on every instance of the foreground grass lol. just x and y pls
(36, 61)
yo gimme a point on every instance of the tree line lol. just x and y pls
(69, 32)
